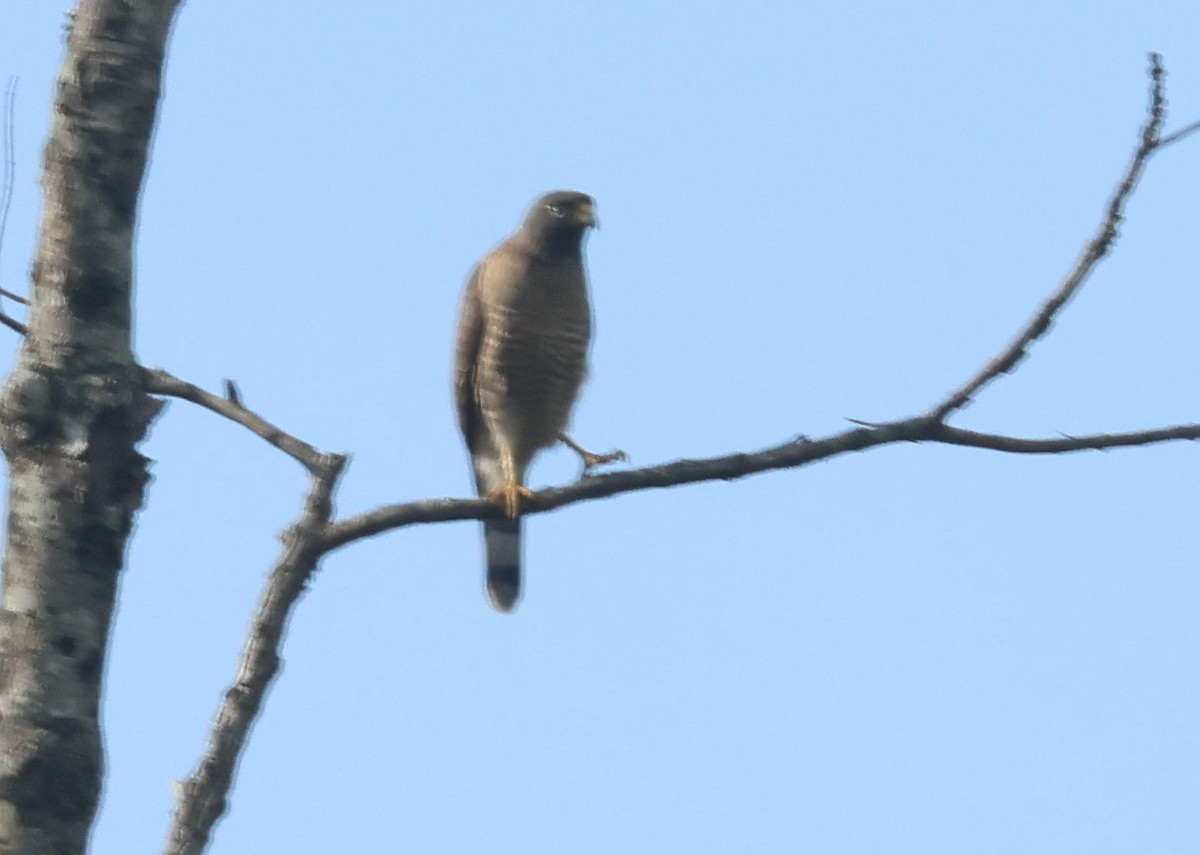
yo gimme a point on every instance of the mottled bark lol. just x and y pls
(71, 414)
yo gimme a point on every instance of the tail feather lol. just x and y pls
(502, 545)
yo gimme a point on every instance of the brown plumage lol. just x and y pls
(521, 356)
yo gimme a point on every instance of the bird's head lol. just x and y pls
(561, 217)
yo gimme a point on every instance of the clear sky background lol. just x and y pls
(810, 211)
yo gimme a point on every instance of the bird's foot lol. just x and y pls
(509, 497)
(590, 458)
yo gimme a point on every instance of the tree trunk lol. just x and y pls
(71, 415)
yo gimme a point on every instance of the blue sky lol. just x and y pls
(811, 212)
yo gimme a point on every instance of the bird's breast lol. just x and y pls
(537, 345)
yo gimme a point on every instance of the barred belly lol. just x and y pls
(542, 372)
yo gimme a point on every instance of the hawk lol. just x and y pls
(524, 328)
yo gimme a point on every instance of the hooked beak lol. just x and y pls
(585, 215)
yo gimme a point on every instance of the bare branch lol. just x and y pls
(13, 324)
(159, 382)
(789, 455)
(203, 797)
(10, 168)
(728, 467)
(1093, 442)
(1180, 134)
(1096, 249)
(10, 165)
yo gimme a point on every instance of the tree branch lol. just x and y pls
(13, 324)
(159, 382)
(1093, 442)
(202, 799)
(1183, 132)
(1096, 249)
(730, 467)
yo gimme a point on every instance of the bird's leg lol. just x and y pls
(590, 458)
(509, 494)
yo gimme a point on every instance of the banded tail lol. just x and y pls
(502, 546)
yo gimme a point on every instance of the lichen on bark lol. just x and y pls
(72, 414)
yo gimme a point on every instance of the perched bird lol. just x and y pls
(524, 329)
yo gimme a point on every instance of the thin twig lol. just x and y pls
(1182, 133)
(1096, 249)
(13, 324)
(10, 167)
(159, 382)
(1093, 442)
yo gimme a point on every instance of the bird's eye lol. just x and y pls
(554, 210)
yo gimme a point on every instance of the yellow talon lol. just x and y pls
(509, 498)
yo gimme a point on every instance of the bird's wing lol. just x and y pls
(466, 356)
